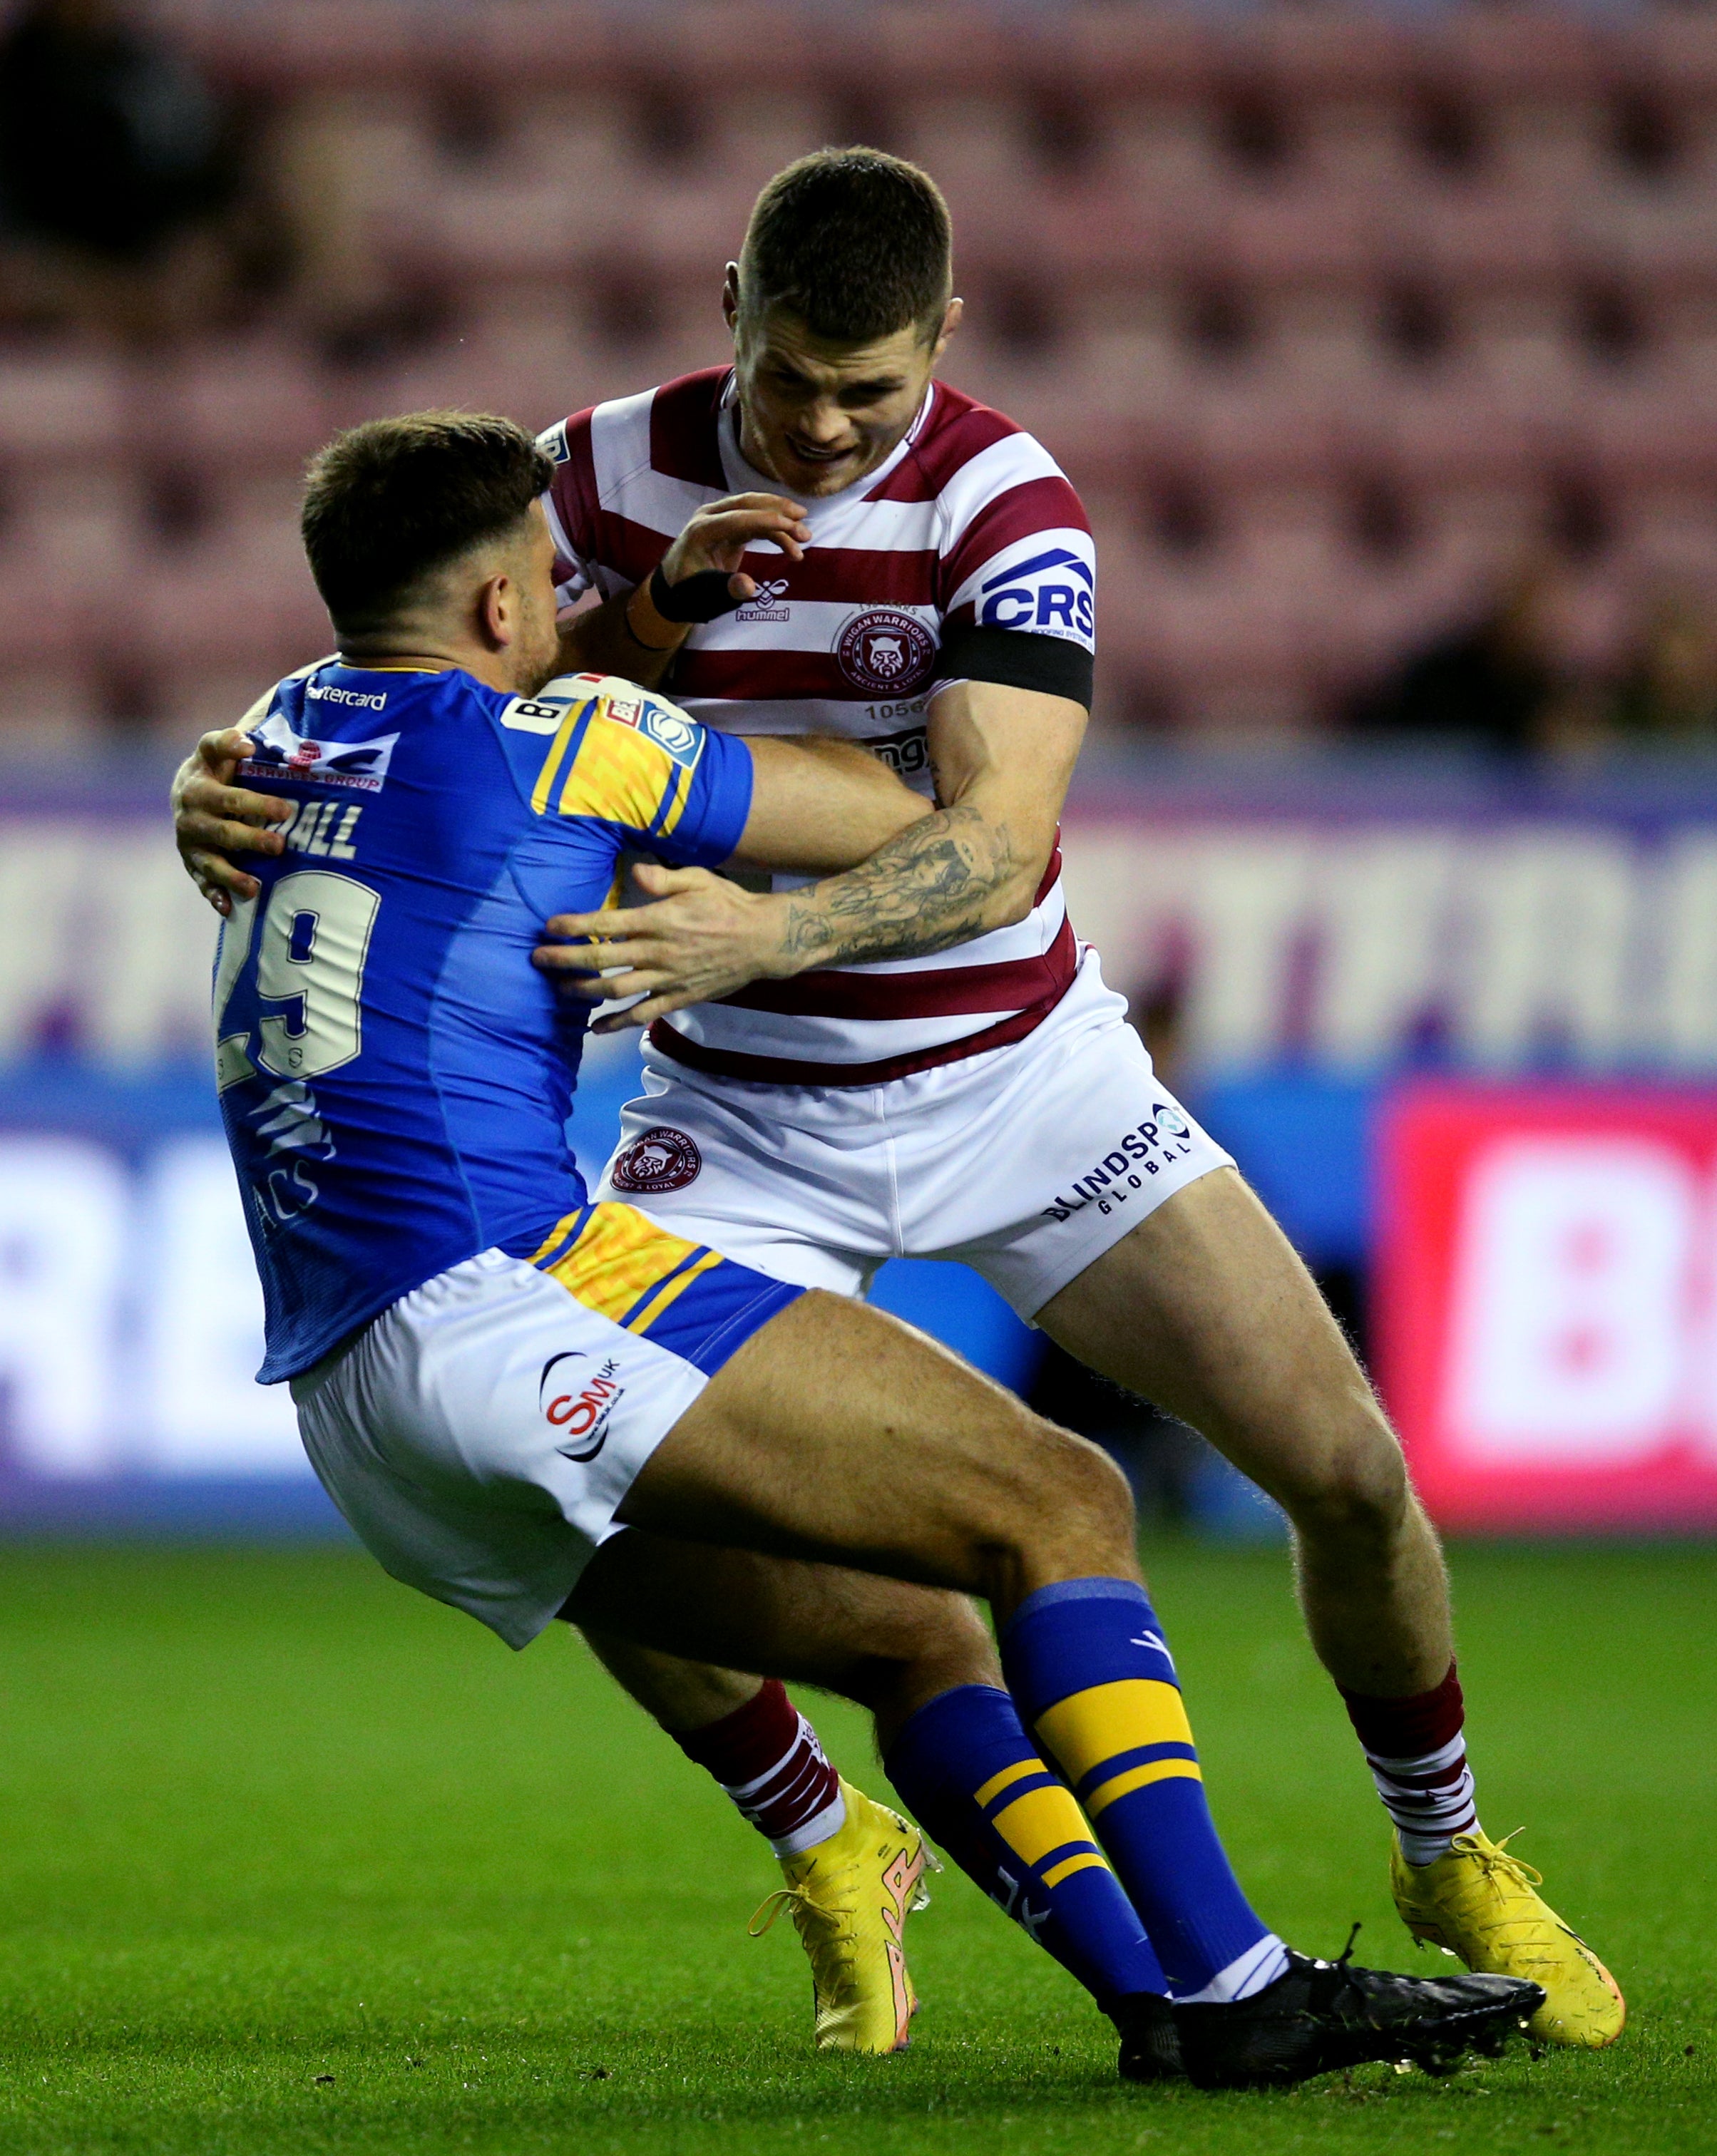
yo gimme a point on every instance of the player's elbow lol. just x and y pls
(895, 809)
(1013, 905)
(1014, 893)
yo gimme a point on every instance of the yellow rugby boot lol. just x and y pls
(1481, 1905)
(850, 1898)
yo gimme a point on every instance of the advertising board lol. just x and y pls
(1545, 1300)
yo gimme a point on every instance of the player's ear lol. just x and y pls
(497, 611)
(730, 296)
(951, 320)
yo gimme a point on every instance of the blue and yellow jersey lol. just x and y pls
(395, 1075)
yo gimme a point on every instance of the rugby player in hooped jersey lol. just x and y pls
(917, 1056)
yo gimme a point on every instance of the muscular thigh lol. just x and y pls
(1205, 1309)
(812, 1624)
(837, 1434)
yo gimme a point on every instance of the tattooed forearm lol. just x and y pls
(940, 882)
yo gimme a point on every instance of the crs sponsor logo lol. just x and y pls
(581, 1415)
(770, 603)
(1052, 594)
(886, 652)
(1166, 1136)
(278, 753)
(662, 1159)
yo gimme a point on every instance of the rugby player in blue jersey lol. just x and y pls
(842, 1108)
(529, 1405)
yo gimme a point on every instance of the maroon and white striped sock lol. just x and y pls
(1418, 1754)
(766, 1755)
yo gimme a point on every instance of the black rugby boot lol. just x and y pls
(1150, 2044)
(1320, 2016)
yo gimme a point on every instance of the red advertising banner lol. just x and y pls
(1546, 1303)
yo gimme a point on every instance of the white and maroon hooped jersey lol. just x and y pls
(969, 521)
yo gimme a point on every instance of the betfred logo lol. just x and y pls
(1545, 1303)
(885, 652)
(658, 721)
(581, 1416)
(662, 1159)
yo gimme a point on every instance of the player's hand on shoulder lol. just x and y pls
(213, 820)
(702, 938)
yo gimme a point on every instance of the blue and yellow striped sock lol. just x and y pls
(971, 1776)
(1091, 1674)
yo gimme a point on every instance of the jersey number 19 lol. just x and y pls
(309, 960)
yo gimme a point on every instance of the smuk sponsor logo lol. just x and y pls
(661, 1159)
(1164, 1137)
(582, 1415)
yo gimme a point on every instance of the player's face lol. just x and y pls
(817, 416)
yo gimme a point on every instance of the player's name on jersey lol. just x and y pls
(325, 828)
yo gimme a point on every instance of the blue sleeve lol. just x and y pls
(708, 828)
(611, 756)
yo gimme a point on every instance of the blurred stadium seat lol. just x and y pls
(1330, 312)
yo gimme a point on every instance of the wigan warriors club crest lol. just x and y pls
(885, 653)
(662, 1159)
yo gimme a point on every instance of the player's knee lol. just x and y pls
(1052, 1506)
(1352, 1482)
(1080, 1518)
(954, 1646)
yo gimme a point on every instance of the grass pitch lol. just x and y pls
(291, 1859)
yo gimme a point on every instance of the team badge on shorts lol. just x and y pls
(886, 652)
(662, 1159)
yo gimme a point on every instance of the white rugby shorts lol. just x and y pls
(1027, 1161)
(480, 1435)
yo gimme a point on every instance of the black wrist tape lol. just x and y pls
(702, 596)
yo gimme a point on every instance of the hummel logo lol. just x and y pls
(770, 603)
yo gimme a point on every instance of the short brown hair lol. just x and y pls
(856, 243)
(388, 503)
